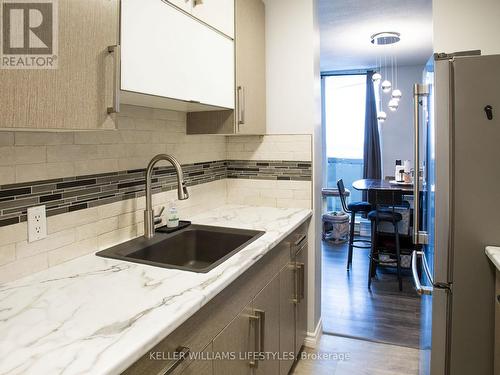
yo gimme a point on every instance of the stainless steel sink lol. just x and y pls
(197, 248)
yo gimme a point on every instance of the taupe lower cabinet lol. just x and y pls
(255, 326)
(77, 94)
(249, 116)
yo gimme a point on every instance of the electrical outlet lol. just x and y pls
(37, 223)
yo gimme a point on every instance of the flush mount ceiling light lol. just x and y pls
(385, 38)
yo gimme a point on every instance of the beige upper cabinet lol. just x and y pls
(76, 94)
(249, 116)
(250, 67)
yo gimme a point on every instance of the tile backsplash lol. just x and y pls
(92, 182)
(141, 134)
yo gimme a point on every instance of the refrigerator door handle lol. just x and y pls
(419, 237)
(421, 290)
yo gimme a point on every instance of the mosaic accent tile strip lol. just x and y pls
(81, 192)
(269, 170)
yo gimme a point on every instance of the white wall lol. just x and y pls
(294, 106)
(461, 25)
(396, 132)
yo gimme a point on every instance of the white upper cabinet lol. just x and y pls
(172, 60)
(219, 14)
(185, 5)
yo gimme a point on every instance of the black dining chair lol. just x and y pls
(353, 208)
(384, 214)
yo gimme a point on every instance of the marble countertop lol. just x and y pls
(98, 316)
(493, 252)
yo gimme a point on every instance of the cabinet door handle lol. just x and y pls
(241, 105)
(258, 319)
(299, 282)
(301, 268)
(182, 353)
(197, 2)
(116, 50)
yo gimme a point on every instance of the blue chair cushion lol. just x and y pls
(359, 207)
(385, 215)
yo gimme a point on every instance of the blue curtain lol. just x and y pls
(371, 153)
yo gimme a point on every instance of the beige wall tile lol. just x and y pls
(7, 155)
(26, 249)
(116, 237)
(43, 138)
(31, 172)
(23, 267)
(84, 167)
(72, 251)
(58, 170)
(98, 137)
(131, 218)
(7, 175)
(13, 233)
(7, 253)
(30, 154)
(270, 147)
(65, 153)
(71, 220)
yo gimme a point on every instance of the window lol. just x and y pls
(344, 116)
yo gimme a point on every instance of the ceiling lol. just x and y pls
(346, 27)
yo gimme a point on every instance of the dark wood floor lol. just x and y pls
(349, 309)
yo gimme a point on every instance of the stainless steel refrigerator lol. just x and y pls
(457, 146)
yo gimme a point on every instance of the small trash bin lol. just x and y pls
(335, 226)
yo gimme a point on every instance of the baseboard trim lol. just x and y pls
(312, 338)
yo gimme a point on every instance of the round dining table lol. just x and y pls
(382, 191)
(379, 184)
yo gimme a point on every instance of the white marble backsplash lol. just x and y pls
(97, 316)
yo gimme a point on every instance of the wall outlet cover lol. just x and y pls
(37, 223)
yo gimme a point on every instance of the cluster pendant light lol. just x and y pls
(387, 82)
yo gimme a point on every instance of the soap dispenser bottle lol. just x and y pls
(172, 217)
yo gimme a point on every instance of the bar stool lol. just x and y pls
(375, 217)
(353, 209)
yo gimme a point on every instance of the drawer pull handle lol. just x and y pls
(182, 352)
(259, 325)
(299, 240)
